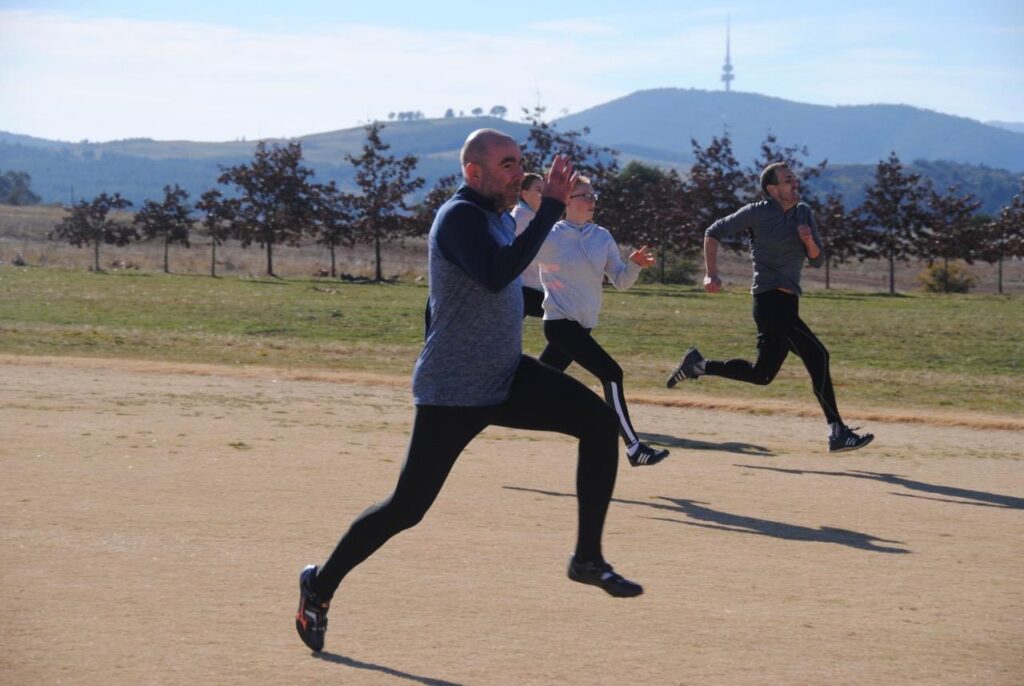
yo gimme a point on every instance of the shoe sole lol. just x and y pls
(613, 593)
(672, 381)
(649, 463)
(851, 448)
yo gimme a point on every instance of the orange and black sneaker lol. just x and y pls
(311, 618)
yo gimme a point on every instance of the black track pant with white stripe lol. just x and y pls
(779, 332)
(569, 342)
(541, 399)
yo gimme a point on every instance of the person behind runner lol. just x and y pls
(471, 374)
(784, 234)
(525, 210)
(574, 261)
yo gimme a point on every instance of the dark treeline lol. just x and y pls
(274, 199)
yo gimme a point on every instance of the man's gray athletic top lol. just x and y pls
(776, 250)
(474, 339)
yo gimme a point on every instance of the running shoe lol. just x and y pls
(645, 455)
(311, 618)
(600, 573)
(847, 440)
(687, 368)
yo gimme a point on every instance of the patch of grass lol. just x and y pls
(963, 352)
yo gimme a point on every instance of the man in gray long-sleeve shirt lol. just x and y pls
(783, 236)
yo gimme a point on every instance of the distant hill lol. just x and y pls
(653, 126)
(139, 168)
(668, 118)
(1016, 126)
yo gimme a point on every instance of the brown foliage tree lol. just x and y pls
(89, 223)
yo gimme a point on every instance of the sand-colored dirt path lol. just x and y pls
(153, 520)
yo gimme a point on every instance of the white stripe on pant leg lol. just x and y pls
(619, 401)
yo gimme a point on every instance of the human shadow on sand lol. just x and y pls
(690, 444)
(979, 498)
(710, 518)
(369, 666)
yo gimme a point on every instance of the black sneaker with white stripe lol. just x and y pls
(846, 440)
(646, 455)
(687, 368)
(600, 573)
(311, 618)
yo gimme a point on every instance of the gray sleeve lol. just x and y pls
(736, 222)
(820, 259)
(622, 274)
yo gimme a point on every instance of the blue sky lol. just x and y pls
(110, 69)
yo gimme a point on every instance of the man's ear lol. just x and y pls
(472, 172)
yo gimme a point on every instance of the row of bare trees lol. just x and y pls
(273, 200)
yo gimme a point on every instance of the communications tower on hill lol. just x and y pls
(727, 76)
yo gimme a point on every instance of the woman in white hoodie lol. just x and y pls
(574, 260)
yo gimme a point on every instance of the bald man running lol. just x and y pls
(471, 374)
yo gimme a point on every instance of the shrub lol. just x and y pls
(946, 278)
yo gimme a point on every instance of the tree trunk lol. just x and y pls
(376, 252)
(1000, 275)
(945, 275)
(270, 259)
(892, 273)
(213, 257)
(334, 272)
(167, 247)
(96, 254)
(828, 273)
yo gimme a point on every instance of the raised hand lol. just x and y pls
(642, 256)
(560, 179)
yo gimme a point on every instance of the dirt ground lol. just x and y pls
(155, 518)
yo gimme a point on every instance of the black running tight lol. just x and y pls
(779, 332)
(569, 342)
(542, 399)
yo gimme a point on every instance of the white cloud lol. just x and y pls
(71, 77)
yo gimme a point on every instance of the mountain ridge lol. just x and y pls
(652, 126)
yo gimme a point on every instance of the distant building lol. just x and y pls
(727, 76)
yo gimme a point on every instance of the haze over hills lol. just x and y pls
(1015, 126)
(653, 126)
